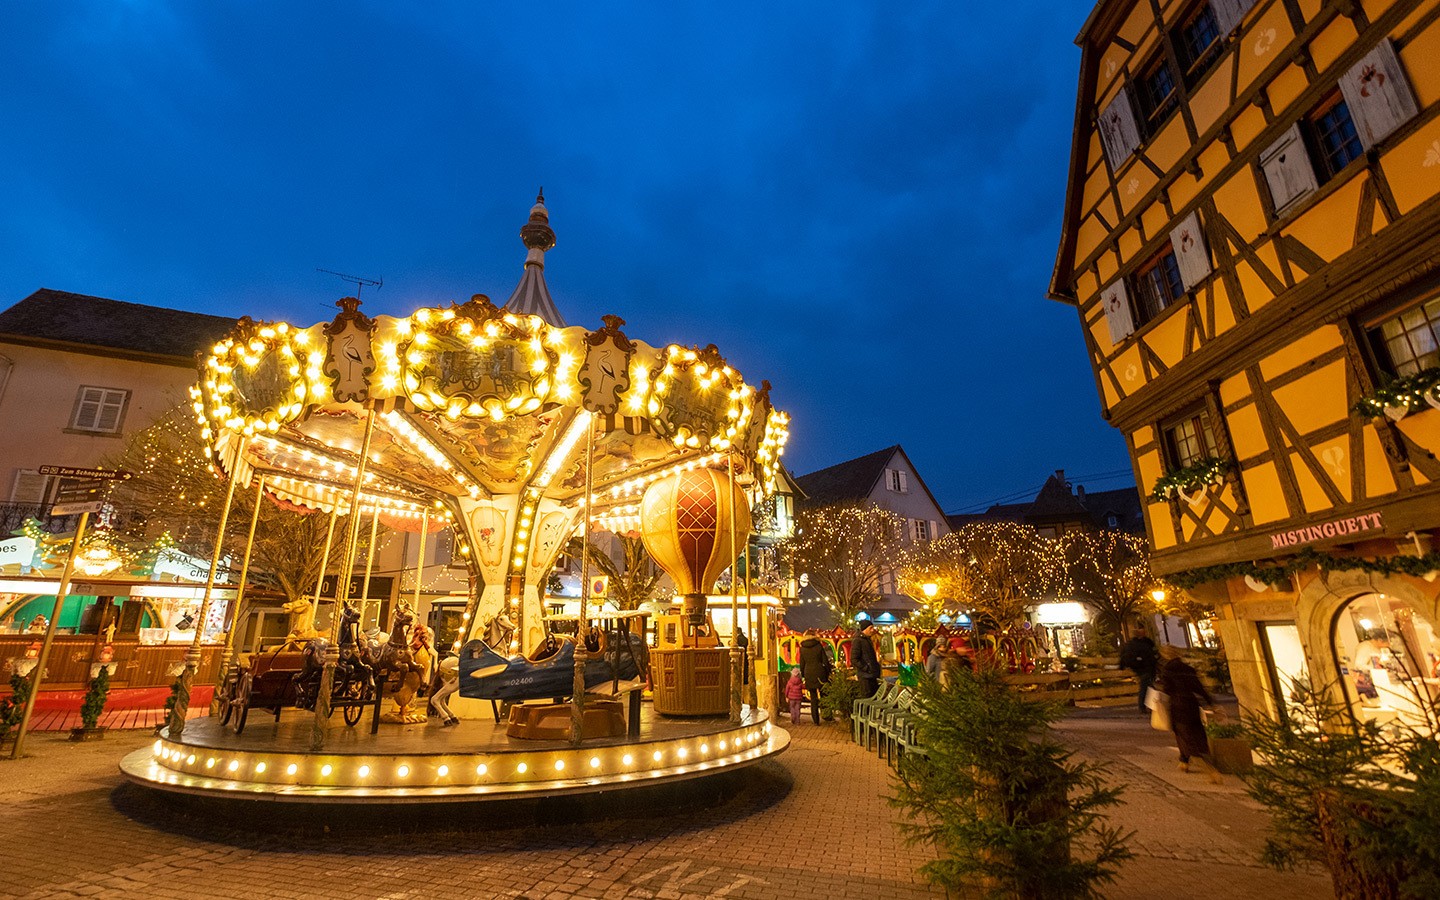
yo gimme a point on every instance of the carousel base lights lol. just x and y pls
(220, 765)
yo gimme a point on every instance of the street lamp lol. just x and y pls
(1158, 595)
(931, 589)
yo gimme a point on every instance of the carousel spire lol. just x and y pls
(532, 296)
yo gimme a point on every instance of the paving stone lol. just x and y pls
(115, 840)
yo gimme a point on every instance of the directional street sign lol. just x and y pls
(81, 490)
(79, 472)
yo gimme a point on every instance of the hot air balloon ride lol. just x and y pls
(694, 523)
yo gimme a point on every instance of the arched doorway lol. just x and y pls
(1388, 657)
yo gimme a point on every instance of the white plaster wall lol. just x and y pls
(39, 399)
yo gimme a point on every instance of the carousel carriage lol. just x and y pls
(290, 675)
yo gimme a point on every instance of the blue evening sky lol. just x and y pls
(858, 201)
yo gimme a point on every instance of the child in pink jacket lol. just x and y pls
(795, 693)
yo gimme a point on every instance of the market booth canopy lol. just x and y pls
(480, 415)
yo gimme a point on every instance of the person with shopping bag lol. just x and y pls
(1182, 698)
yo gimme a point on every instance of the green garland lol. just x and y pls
(1207, 471)
(94, 704)
(1278, 575)
(1406, 393)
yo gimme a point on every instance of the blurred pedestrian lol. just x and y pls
(864, 659)
(1186, 696)
(816, 666)
(1140, 656)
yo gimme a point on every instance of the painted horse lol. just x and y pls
(402, 667)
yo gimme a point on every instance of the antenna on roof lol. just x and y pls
(356, 280)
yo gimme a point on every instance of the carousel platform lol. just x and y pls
(474, 760)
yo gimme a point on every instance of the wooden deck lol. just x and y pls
(124, 709)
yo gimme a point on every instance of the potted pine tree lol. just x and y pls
(838, 695)
(12, 708)
(93, 705)
(1004, 805)
(1230, 748)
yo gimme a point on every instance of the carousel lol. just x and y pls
(518, 433)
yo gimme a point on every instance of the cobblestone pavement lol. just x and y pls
(813, 823)
(1193, 839)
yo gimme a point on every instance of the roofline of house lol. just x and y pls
(918, 477)
(26, 340)
(1074, 183)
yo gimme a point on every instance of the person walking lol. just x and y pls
(795, 693)
(815, 667)
(935, 662)
(1140, 656)
(1186, 695)
(864, 659)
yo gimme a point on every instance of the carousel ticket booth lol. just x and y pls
(518, 433)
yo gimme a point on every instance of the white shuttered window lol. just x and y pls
(30, 488)
(1117, 311)
(1287, 169)
(1191, 254)
(1228, 13)
(99, 409)
(1378, 94)
(897, 481)
(1119, 132)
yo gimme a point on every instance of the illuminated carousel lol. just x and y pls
(518, 433)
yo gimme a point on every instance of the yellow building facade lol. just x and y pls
(1252, 240)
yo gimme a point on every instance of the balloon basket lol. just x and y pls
(691, 681)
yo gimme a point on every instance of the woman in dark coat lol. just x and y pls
(815, 666)
(1186, 697)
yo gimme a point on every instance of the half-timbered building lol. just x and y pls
(1252, 240)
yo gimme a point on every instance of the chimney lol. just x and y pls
(1080, 493)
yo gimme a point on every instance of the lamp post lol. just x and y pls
(1158, 595)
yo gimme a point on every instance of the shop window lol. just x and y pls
(1389, 661)
(1197, 40)
(1188, 439)
(1332, 132)
(1158, 284)
(99, 409)
(1285, 662)
(1158, 96)
(1408, 341)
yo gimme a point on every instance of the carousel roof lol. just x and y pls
(532, 296)
(471, 400)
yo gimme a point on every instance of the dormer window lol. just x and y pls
(896, 481)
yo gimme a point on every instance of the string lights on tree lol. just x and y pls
(844, 550)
